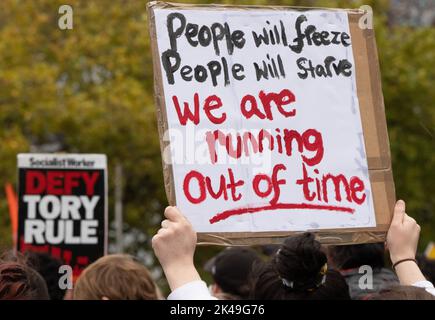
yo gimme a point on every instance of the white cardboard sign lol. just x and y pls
(263, 120)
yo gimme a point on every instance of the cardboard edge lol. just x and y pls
(376, 102)
(327, 237)
(380, 169)
(159, 100)
(215, 6)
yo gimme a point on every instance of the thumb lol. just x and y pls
(399, 212)
(173, 214)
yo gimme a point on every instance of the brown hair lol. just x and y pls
(403, 293)
(115, 277)
(19, 282)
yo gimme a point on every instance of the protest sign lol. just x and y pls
(62, 206)
(271, 122)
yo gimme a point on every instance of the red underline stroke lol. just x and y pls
(278, 206)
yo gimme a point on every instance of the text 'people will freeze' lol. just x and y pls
(268, 68)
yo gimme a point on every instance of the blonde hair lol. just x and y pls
(116, 277)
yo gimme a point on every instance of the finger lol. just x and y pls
(173, 214)
(409, 220)
(166, 224)
(154, 240)
(158, 238)
(161, 231)
(408, 217)
(182, 216)
(399, 212)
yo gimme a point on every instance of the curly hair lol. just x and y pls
(298, 271)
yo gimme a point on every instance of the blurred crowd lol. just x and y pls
(299, 269)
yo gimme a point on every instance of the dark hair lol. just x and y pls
(427, 267)
(298, 272)
(48, 267)
(403, 293)
(20, 282)
(231, 270)
(354, 256)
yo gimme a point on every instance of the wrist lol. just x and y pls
(176, 264)
(180, 273)
(408, 273)
(397, 257)
(403, 261)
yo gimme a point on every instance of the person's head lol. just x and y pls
(403, 293)
(231, 270)
(115, 277)
(298, 271)
(354, 256)
(48, 267)
(20, 282)
(427, 267)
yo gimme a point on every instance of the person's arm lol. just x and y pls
(402, 241)
(194, 290)
(425, 285)
(174, 245)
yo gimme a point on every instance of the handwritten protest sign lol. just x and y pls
(62, 204)
(260, 120)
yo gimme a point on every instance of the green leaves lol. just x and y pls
(89, 89)
(407, 57)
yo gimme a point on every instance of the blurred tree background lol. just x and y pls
(90, 89)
